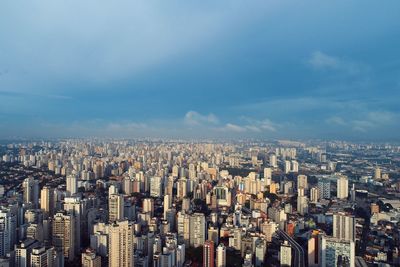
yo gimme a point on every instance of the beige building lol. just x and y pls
(120, 250)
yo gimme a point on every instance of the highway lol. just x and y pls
(299, 255)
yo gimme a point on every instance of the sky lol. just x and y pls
(200, 69)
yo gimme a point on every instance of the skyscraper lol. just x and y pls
(8, 228)
(90, 259)
(343, 226)
(221, 256)
(64, 234)
(115, 207)
(285, 255)
(287, 166)
(342, 187)
(47, 201)
(208, 254)
(197, 229)
(267, 176)
(72, 185)
(324, 188)
(73, 206)
(272, 161)
(155, 186)
(302, 181)
(120, 251)
(314, 194)
(336, 252)
(31, 191)
(302, 202)
(42, 257)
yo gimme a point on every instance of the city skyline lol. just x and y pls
(210, 70)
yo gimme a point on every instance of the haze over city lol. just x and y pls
(264, 69)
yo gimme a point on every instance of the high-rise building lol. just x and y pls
(155, 186)
(302, 181)
(121, 244)
(302, 202)
(72, 185)
(267, 176)
(8, 229)
(343, 226)
(208, 254)
(64, 234)
(285, 255)
(148, 206)
(23, 252)
(314, 194)
(73, 206)
(90, 259)
(47, 202)
(43, 257)
(261, 248)
(342, 187)
(31, 191)
(377, 173)
(115, 207)
(221, 256)
(336, 252)
(167, 204)
(287, 167)
(183, 228)
(314, 249)
(324, 188)
(295, 166)
(273, 161)
(197, 229)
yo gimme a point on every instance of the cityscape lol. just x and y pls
(199, 133)
(187, 203)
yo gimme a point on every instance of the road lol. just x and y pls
(299, 255)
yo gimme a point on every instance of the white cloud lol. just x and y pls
(335, 120)
(195, 119)
(322, 61)
(234, 128)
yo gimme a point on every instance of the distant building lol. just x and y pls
(324, 188)
(342, 187)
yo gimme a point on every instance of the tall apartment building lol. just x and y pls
(121, 244)
(344, 226)
(342, 187)
(115, 207)
(64, 234)
(208, 254)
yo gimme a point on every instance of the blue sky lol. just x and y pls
(265, 69)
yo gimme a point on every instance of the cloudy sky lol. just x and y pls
(273, 69)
